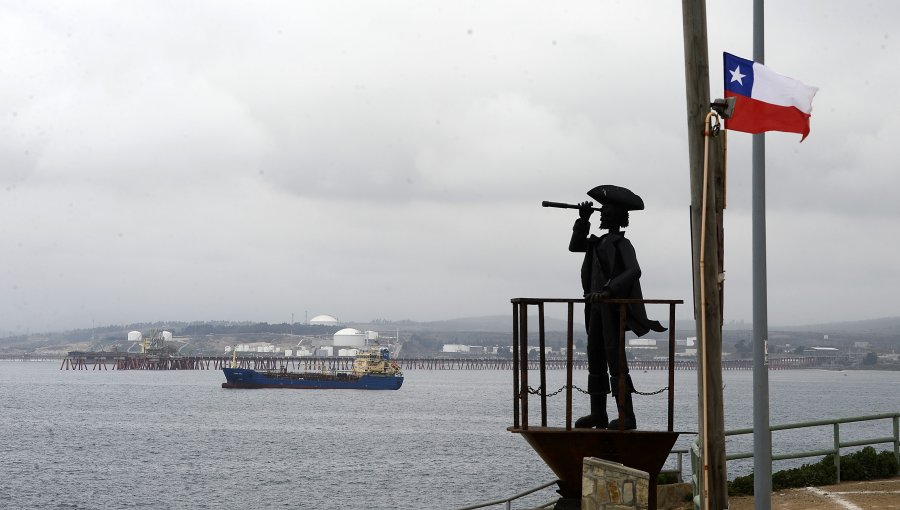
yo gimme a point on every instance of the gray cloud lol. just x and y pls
(235, 161)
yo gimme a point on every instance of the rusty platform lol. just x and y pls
(564, 450)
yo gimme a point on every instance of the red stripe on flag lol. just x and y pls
(754, 116)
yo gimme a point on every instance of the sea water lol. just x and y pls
(176, 439)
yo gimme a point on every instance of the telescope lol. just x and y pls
(560, 205)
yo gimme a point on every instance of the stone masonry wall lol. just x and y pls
(611, 486)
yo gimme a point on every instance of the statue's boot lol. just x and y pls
(598, 417)
(625, 404)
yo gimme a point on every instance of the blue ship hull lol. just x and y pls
(250, 379)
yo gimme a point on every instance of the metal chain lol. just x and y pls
(539, 389)
(657, 392)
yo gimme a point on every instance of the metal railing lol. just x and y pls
(835, 449)
(508, 501)
(838, 444)
(521, 362)
(679, 464)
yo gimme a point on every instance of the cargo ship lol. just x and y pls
(372, 370)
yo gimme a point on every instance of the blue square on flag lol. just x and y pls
(738, 75)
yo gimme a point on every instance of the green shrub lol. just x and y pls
(865, 464)
(741, 486)
(666, 478)
(821, 473)
(886, 465)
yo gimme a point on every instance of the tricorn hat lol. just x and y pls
(617, 195)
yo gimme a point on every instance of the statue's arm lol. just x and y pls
(621, 284)
(580, 230)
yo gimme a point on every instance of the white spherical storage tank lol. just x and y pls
(323, 320)
(349, 337)
(135, 336)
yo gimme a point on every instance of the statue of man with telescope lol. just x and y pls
(610, 270)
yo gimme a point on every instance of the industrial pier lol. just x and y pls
(77, 360)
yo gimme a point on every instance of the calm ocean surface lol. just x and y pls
(137, 439)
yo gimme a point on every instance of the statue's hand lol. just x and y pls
(598, 297)
(585, 209)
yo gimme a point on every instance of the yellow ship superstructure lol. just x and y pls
(375, 361)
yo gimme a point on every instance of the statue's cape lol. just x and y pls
(624, 283)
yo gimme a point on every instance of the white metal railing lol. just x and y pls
(508, 501)
(679, 464)
(894, 440)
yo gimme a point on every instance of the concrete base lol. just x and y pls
(611, 486)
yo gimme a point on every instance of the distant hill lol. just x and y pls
(483, 330)
(883, 326)
(498, 323)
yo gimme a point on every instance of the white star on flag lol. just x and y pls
(736, 75)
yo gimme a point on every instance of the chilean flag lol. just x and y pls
(766, 100)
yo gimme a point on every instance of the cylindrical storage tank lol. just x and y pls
(167, 336)
(371, 335)
(135, 336)
(349, 337)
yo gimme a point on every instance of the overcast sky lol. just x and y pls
(210, 160)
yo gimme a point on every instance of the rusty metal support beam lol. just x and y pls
(569, 349)
(523, 352)
(543, 364)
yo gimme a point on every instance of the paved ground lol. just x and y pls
(873, 495)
